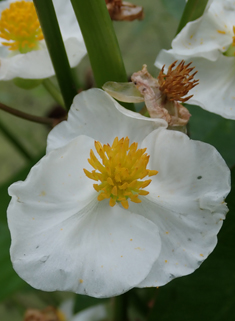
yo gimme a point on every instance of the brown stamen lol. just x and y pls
(178, 81)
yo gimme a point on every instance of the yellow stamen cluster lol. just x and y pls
(20, 27)
(120, 171)
(177, 82)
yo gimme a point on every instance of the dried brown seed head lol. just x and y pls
(178, 81)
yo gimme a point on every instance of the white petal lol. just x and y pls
(64, 239)
(67, 20)
(37, 64)
(66, 308)
(96, 114)
(186, 202)
(206, 36)
(215, 91)
(95, 313)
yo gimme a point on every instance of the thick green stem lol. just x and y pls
(17, 144)
(55, 45)
(119, 307)
(101, 42)
(193, 10)
(51, 88)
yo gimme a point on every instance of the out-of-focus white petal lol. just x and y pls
(96, 114)
(200, 38)
(186, 202)
(95, 313)
(37, 64)
(215, 91)
(66, 240)
(207, 36)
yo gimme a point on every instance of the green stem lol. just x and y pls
(119, 305)
(55, 45)
(35, 119)
(51, 88)
(15, 142)
(101, 42)
(192, 11)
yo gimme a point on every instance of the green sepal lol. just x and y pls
(27, 83)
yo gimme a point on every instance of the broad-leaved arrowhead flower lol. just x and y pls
(118, 202)
(23, 51)
(209, 42)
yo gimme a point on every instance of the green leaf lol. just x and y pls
(207, 294)
(55, 45)
(101, 42)
(213, 129)
(193, 10)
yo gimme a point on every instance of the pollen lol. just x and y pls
(221, 32)
(120, 172)
(20, 27)
(233, 44)
(178, 81)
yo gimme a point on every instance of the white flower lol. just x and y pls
(209, 42)
(23, 51)
(64, 238)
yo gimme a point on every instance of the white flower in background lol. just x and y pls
(23, 51)
(88, 219)
(65, 313)
(209, 42)
(94, 313)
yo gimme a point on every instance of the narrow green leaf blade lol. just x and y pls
(55, 45)
(101, 42)
(193, 10)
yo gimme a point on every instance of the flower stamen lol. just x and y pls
(233, 44)
(177, 82)
(20, 27)
(120, 171)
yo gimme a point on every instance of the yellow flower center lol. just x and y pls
(120, 172)
(20, 27)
